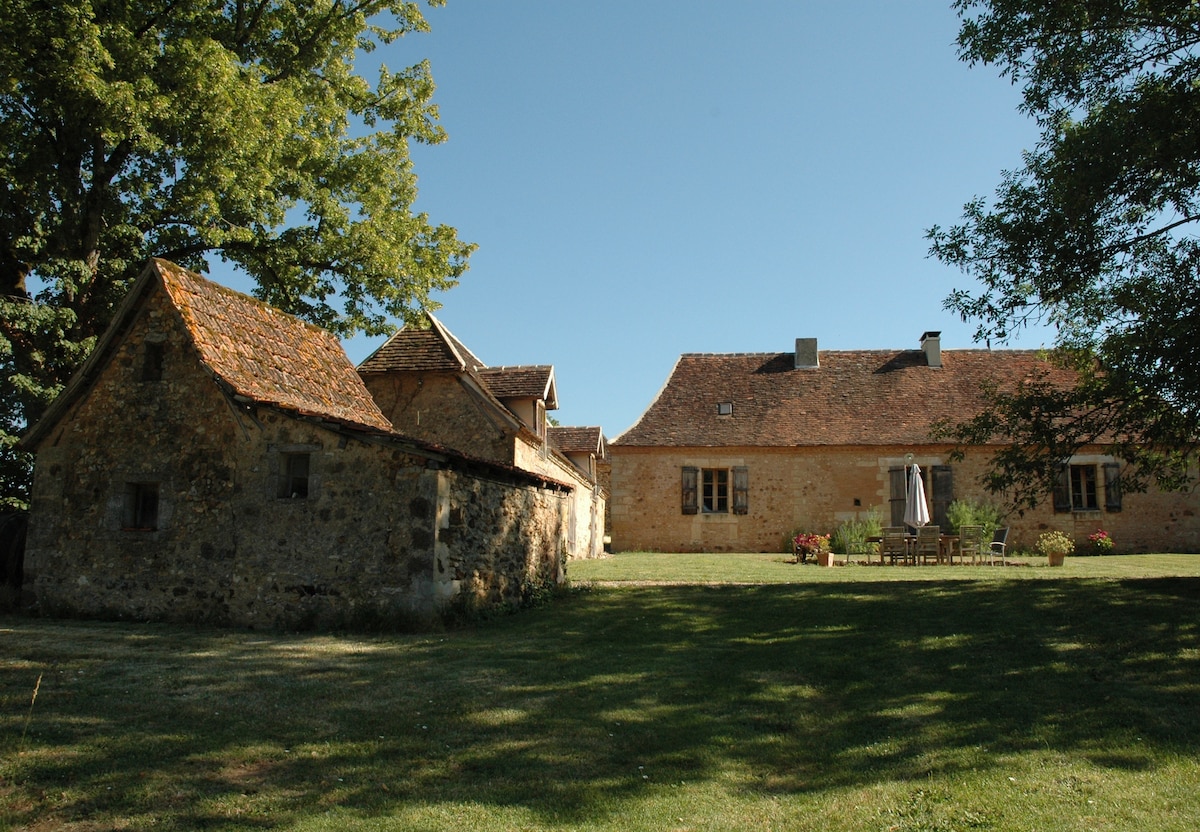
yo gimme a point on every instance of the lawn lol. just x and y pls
(763, 696)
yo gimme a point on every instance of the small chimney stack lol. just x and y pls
(931, 345)
(806, 353)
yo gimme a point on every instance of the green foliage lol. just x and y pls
(850, 537)
(1094, 235)
(974, 513)
(192, 131)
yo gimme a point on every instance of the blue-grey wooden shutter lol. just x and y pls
(1062, 491)
(943, 493)
(691, 502)
(741, 490)
(1112, 486)
(896, 500)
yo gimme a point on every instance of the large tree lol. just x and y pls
(200, 129)
(1095, 234)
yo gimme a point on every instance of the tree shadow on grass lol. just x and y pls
(571, 711)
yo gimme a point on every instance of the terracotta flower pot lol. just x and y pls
(825, 559)
(1056, 558)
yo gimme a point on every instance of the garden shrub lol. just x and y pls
(973, 513)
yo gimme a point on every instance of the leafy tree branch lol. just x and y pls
(198, 130)
(1094, 235)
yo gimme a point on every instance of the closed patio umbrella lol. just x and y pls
(916, 510)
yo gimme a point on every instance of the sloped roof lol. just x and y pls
(577, 440)
(526, 382)
(434, 349)
(256, 351)
(865, 397)
(268, 356)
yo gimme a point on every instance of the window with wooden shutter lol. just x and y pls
(741, 490)
(1083, 488)
(714, 490)
(1112, 486)
(691, 499)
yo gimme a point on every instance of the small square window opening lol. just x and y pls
(293, 476)
(152, 361)
(141, 506)
(724, 408)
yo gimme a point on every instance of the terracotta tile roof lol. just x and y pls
(434, 349)
(573, 440)
(529, 382)
(268, 356)
(868, 397)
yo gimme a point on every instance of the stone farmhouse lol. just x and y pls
(218, 461)
(739, 450)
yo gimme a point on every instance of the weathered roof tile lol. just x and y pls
(864, 397)
(268, 356)
(577, 440)
(525, 382)
(434, 349)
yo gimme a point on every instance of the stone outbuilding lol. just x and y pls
(432, 387)
(740, 450)
(218, 461)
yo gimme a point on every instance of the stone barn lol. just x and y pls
(218, 461)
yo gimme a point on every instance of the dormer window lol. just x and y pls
(540, 420)
(724, 408)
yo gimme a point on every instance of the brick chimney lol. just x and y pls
(931, 345)
(806, 353)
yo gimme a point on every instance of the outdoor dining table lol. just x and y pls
(948, 545)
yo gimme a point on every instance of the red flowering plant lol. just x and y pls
(1101, 541)
(810, 544)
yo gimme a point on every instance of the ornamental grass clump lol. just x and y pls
(850, 538)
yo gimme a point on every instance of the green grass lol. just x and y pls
(849, 698)
(672, 568)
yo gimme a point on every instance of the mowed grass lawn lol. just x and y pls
(762, 696)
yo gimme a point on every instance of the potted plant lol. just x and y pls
(1101, 541)
(805, 544)
(1055, 546)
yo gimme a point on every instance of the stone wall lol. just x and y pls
(435, 407)
(818, 488)
(585, 517)
(496, 545)
(383, 531)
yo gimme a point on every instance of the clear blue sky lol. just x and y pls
(652, 177)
